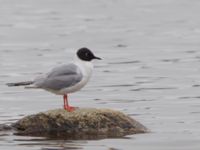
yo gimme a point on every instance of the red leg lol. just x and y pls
(66, 105)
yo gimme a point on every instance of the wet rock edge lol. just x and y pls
(88, 123)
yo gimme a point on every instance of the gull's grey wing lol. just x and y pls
(60, 77)
(60, 82)
(64, 70)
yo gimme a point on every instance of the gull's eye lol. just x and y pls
(88, 55)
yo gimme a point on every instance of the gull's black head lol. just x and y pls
(86, 54)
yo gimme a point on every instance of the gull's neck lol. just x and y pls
(86, 67)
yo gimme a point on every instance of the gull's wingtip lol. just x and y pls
(20, 83)
(10, 84)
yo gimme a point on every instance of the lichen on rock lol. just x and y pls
(88, 123)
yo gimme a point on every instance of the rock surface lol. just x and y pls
(88, 123)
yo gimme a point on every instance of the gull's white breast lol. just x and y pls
(86, 71)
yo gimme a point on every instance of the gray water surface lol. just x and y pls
(150, 68)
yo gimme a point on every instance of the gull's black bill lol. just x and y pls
(97, 58)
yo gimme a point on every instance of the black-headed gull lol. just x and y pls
(65, 79)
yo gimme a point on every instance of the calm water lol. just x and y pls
(150, 68)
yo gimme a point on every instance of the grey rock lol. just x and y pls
(88, 123)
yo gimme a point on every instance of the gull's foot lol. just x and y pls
(70, 108)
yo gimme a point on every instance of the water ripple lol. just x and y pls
(149, 89)
(125, 62)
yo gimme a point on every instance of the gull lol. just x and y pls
(65, 79)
